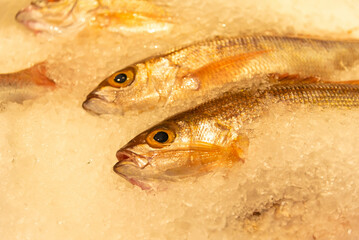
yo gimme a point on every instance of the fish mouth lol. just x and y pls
(96, 104)
(130, 166)
(126, 157)
(27, 17)
(34, 18)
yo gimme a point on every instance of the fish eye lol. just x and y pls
(122, 78)
(160, 138)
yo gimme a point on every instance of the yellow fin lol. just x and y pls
(219, 72)
(239, 148)
(203, 157)
(225, 156)
(131, 14)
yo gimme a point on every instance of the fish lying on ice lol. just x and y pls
(71, 16)
(195, 70)
(25, 84)
(212, 135)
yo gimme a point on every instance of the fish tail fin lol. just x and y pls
(38, 75)
(33, 76)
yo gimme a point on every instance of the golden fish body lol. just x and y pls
(25, 84)
(195, 70)
(71, 16)
(213, 134)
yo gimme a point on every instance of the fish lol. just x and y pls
(213, 135)
(25, 84)
(69, 17)
(204, 68)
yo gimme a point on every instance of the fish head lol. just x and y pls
(56, 16)
(172, 151)
(138, 87)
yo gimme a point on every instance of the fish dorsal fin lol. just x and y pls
(218, 72)
(286, 78)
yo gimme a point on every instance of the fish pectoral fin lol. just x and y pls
(205, 147)
(223, 156)
(238, 149)
(217, 73)
(286, 78)
(130, 13)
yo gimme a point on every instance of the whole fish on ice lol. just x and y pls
(195, 70)
(213, 135)
(71, 16)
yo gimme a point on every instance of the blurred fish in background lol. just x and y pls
(68, 17)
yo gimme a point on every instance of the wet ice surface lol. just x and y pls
(300, 179)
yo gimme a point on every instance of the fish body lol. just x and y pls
(25, 84)
(71, 16)
(197, 69)
(213, 135)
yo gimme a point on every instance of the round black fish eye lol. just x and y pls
(121, 78)
(161, 137)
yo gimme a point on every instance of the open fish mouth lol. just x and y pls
(126, 157)
(96, 105)
(33, 20)
(130, 167)
(38, 20)
(30, 16)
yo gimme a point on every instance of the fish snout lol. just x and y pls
(126, 157)
(27, 13)
(97, 104)
(31, 17)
